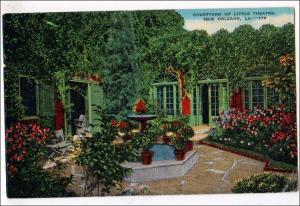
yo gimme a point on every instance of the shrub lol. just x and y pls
(265, 182)
(25, 152)
(32, 181)
(102, 159)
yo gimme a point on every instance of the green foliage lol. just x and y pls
(187, 132)
(32, 181)
(102, 159)
(48, 122)
(143, 141)
(26, 151)
(265, 182)
(121, 71)
(13, 107)
(129, 49)
(284, 79)
(43, 43)
(221, 55)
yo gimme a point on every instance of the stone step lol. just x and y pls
(201, 129)
(198, 137)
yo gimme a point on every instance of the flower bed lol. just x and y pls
(25, 153)
(271, 132)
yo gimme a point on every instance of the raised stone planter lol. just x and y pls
(163, 169)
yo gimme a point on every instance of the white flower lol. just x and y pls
(249, 143)
(242, 142)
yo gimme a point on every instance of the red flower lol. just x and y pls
(123, 125)
(19, 137)
(177, 124)
(140, 107)
(114, 123)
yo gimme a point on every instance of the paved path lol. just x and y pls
(215, 172)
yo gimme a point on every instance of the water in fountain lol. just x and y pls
(162, 152)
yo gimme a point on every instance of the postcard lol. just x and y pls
(150, 102)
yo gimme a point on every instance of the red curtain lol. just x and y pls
(236, 100)
(59, 115)
(186, 105)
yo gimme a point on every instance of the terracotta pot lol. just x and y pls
(188, 146)
(166, 139)
(146, 157)
(179, 155)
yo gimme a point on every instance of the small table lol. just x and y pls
(142, 118)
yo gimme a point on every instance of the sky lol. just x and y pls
(213, 20)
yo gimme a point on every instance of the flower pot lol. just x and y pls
(179, 155)
(166, 139)
(146, 157)
(188, 146)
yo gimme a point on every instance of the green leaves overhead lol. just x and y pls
(223, 54)
(129, 49)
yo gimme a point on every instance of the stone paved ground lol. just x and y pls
(215, 172)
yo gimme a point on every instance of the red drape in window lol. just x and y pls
(59, 115)
(186, 105)
(236, 100)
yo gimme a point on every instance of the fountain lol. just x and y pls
(142, 118)
(163, 166)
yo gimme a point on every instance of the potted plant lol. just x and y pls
(142, 143)
(124, 129)
(146, 154)
(178, 143)
(187, 133)
(175, 126)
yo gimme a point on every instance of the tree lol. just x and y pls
(122, 70)
(284, 80)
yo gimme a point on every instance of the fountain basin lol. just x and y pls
(162, 152)
(161, 169)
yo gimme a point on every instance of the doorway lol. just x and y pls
(205, 106)
(78, 98)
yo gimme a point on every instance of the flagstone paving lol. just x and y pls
(215, 172)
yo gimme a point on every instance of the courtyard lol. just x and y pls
(141, 105)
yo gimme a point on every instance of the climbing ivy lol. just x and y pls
(129, 49)
(223, 54)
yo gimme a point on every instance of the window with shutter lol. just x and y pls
(95, 101)
(46, 98)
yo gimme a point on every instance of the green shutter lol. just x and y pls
(46, 98)
(95, 100)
